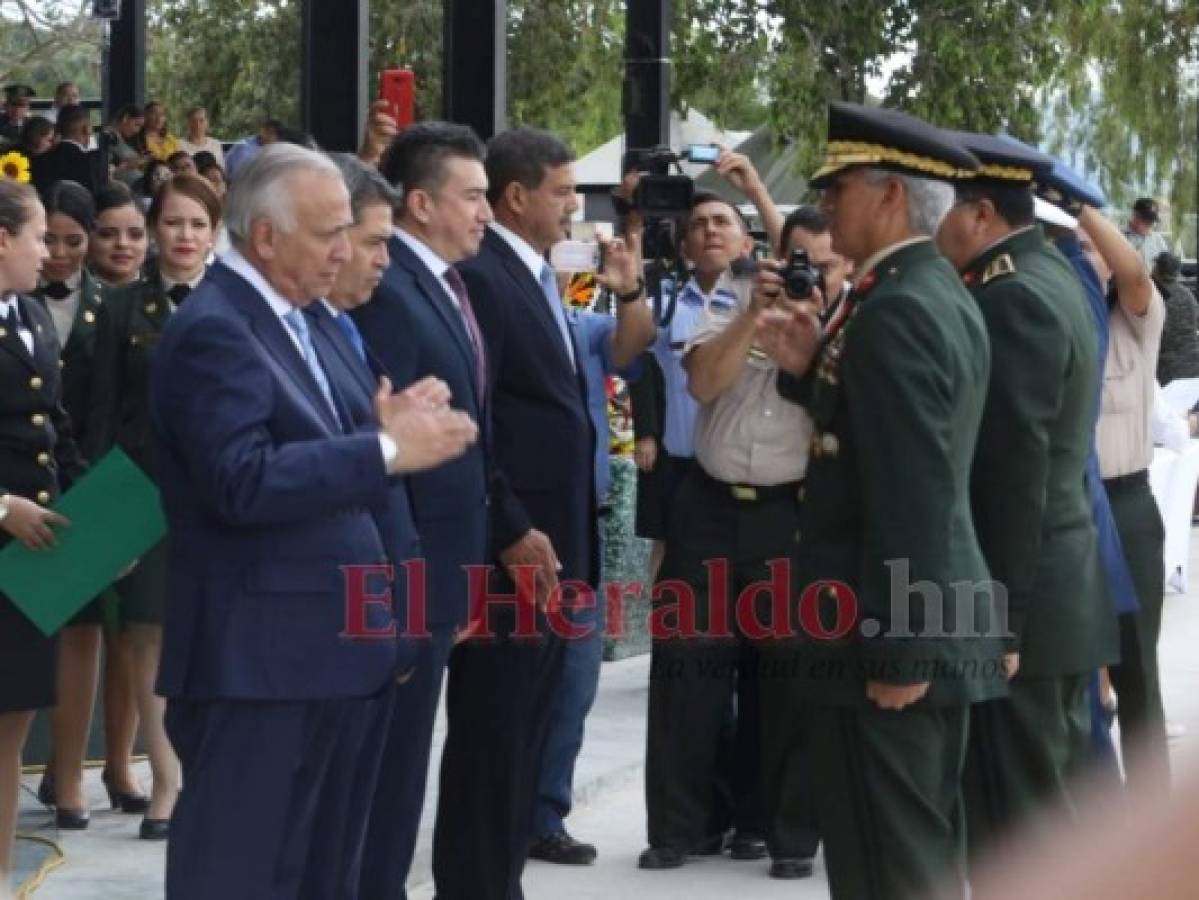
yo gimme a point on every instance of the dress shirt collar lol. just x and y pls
(424, 252)
(279, 304)
(168, 283)
(720, 297)
(333, 310)
(533, 260)
(874, 261)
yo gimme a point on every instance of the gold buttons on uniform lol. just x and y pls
(38, 419)
(3, 332)
(830, 445)
(36, 382)
(89, 316)
(151, 308)
(43, 497)
(43, 459)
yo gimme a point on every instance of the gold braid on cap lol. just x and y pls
(1005, 173)
(843, 154)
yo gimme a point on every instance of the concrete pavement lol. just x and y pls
(108, 862)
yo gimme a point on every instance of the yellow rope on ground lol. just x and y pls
(26, 889)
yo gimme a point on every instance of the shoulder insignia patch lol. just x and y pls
(998, 267)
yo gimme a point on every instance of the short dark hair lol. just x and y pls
(522, 155)
(416, 158)
(129, 111)
(73, 200)
(203, 158)
(1013, 202)
(114, 195)
(702, 197)
(34, 129)
(1166, 266)
(366, 186)
(178, 155)
(17, 202)
(809, 218)
(70, 118)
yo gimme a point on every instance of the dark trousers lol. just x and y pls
(694, 680)
(786, 764)
(1135, 678)
(1024, 755)
(400, 794)
(498, 702)
(275, 797)
(888, 787)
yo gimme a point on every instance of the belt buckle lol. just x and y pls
(743, 492)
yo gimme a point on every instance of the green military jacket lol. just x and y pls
(78, 354)
(896, 395)
(1028, 488)
(130, 325)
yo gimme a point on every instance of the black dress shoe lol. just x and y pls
(71, 819)
(154, 829)
(562, 849)
(789, 867)
(661, 858)
(133, 804)
(747, 847)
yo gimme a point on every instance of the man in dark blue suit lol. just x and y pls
(275, 486)
(418, 325)
(504, 688)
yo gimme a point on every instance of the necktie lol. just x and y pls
(549, 286)
(57, 290)
(178, 292)
(353, 335)
(472, 326)
(295, 321)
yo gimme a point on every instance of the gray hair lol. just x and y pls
(928, 200)
(261, 189)
(366, 186)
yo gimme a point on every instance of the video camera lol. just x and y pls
(664, 201)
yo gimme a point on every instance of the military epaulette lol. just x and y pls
(998, 267)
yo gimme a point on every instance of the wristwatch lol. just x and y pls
(633, 295)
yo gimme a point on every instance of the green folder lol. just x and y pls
(115, 518)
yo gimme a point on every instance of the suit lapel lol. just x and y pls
(339, 345)
(83, 329)
(434, 294)
(530, 291)
(273, 335)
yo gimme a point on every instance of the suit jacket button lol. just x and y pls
(43, 459)
(36, 382)
(43, 497)
(38, 419)
(3, 332)
(830, 445)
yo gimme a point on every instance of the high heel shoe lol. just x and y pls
(72, 819)
(126, 803)
(46, 794)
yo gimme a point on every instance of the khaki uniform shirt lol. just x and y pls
(749, 434)
(1123, 435)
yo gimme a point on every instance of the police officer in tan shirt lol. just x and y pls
(733, 525)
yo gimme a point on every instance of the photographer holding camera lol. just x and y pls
(735, 511)
(806, 228)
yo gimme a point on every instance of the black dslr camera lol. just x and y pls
(799, 277)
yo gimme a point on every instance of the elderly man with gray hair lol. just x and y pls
(275, 472)
(895, 635)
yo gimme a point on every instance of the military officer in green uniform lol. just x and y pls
(1028, 492)
(895, 614)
